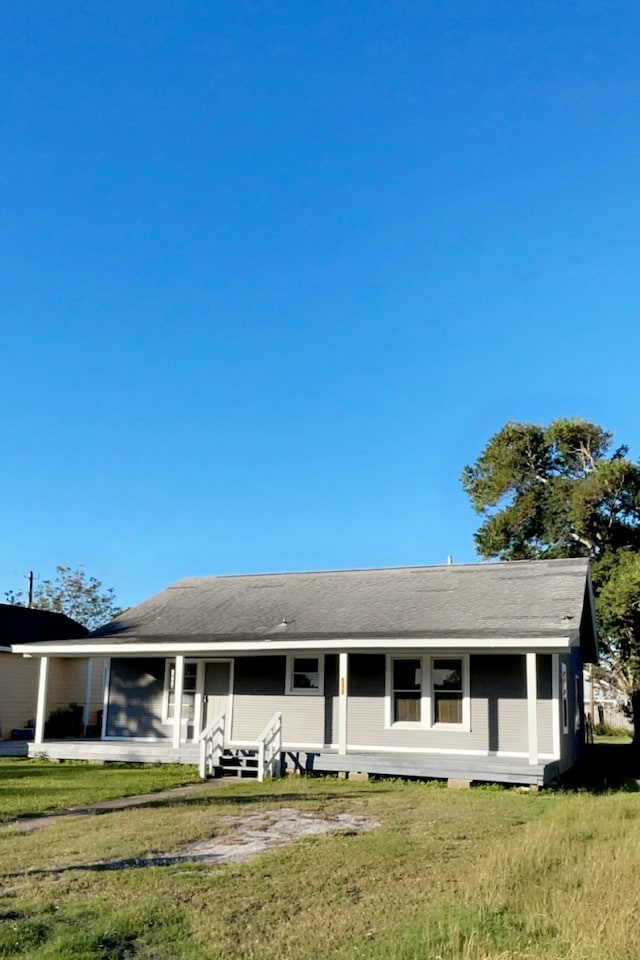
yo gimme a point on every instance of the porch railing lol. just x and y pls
(269, 747)
(212, 745)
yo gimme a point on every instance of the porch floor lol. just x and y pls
(13, 748)
(479, 769)
(113, 751)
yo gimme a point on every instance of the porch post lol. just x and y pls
(86, 714)
(177, 701)
(41, 708)
(555, 704)
(343, 686)
(532, 707)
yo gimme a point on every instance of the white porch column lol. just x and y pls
(41, 708)
(555, 704)
(343, 687)
(532, 706)
(177, 701)
(86, 714)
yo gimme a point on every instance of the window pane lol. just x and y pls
(190, 676)
(305, 664)
(306, 673)
(188, 703)
(447, 707)
(406, 675)
(447, 675)
(406, 707)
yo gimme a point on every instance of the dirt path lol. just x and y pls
(121, 803)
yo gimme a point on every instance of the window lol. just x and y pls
(577, 719)
(188, 690)
(446, 677)
(406, 691)
(565, 698)
(305, 676)
(428, 692)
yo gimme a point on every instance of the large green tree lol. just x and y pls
(565, 490)
(81, 597)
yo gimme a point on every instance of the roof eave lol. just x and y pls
(171, 647)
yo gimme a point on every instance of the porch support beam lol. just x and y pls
(532, 706)
(41, 707)
(555, 704)
(86, 714)
(177, 701)
(343, 700)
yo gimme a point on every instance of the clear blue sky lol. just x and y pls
(272, 272)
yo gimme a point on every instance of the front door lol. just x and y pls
(215, 689)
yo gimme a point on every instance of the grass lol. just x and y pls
(31, 787)
(620, 738)
(482, 874)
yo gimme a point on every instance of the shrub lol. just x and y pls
(64, 722)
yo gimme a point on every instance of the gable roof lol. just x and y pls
(26, 625)
(519, 599)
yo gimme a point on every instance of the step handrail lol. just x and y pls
(212, 742)
(269, 748)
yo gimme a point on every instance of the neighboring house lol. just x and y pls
(19, 674)
(605, 703)
(471, 672)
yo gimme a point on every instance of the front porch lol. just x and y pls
(478, 769)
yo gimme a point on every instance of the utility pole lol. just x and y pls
(30, 579)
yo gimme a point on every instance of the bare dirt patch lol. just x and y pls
(244, 837)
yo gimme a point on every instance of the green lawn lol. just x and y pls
(481, 873)
(29, 787)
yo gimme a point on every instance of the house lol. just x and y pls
(469, 672)
(19, 675)
(605, 703)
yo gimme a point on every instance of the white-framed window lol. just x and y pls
(189, 689)
(406, 690)
(428, 692)
(305, 675)
(448, 690)
(564, 689)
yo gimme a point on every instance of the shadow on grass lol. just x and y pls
(192, 860)
(199, 798)
(606, 767)
(247, 799)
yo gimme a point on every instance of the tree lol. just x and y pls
(72, 592)
(565, 491)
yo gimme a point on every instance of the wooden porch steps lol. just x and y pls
(239, 763)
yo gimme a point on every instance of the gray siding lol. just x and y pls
(497, 688)
(498, 692)
(135, 698)
(572, 742)
(259, 692)
(545, 705)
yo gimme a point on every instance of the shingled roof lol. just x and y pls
(24, 625)
(518, 599)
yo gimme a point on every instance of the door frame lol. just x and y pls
(198, 705)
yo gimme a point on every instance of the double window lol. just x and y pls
(428, 692)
